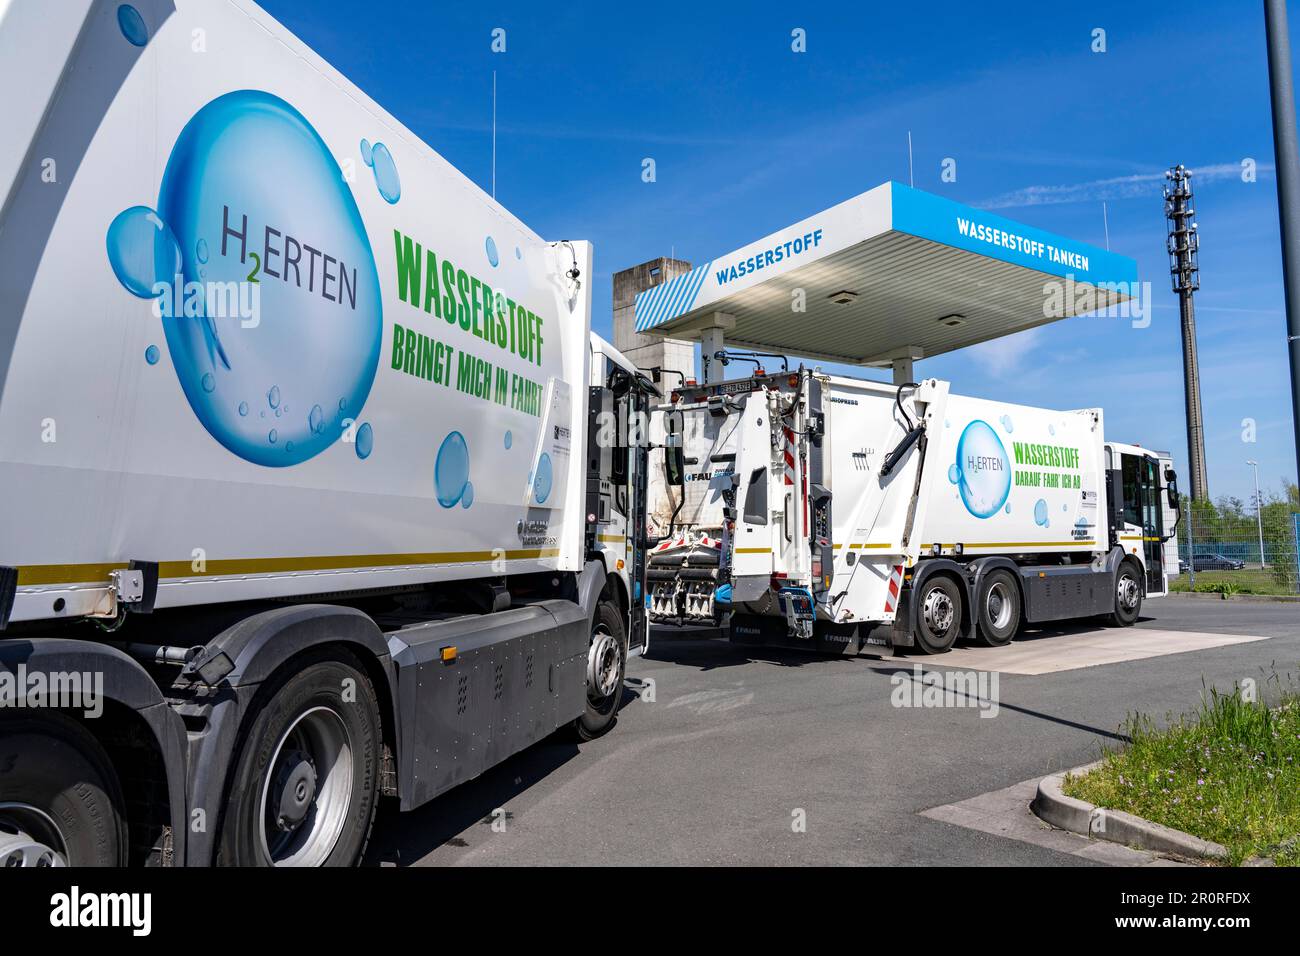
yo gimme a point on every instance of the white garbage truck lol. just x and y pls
(839, 514)
(301, 503)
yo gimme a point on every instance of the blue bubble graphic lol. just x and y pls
(1040, 512)
(1051, 429)
(381, 161)
(251, 154)
(954, 474)
(243, 409)
(1065, 507)
(132, 25)
(151, 355)
(208, 382)
(542, 481)
(451, 470)
(467, 498)
(365, 441)
(365, 153)
(142, 250)
(984, 471)
(1007, 424)
(490, 245)
(272, 436)
(510, 439)
(201, 252)
(316, 420)
(518, 254)
(1007, 509)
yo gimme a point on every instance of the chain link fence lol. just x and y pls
(1234, 548)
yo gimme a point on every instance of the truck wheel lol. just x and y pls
(60, 801)
(999, 608)
(938, 614)
(1128, 595)
(304, 787)
(606, 663)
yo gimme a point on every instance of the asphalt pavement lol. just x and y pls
(732, 755)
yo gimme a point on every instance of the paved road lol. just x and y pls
(738, 744)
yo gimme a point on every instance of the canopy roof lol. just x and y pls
(891, 272)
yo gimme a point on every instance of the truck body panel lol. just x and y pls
(368, 374)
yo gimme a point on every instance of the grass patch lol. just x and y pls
(1246, 581)
(1228, 773)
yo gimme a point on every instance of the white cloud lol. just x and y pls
(1135, 186)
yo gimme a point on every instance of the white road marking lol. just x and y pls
(1051, 652)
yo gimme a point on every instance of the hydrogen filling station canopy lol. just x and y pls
(887, 277)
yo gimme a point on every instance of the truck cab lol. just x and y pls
(618, 409)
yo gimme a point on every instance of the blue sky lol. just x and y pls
(748, 137)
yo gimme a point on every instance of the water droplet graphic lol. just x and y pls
(518, 254)
(510, 439)
(1065, 507)
(381, 161)
(1007, 424)
(343, 403)
(316, 420)
(288, 446)
(314, 349)
(467, 498)
(1007, 509)
(151, 355)
(1040, 512)
(451, 469)
(272, 436)
(132, 25)
(490, 246)
(365, 442)
(201, 251)
(142, 250)
(209, 383)
(984, 473)
(365, 153)
(542, 481)
(243, 409)
(954, 474)
(1051, 429)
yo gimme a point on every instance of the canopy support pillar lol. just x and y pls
(711, 342)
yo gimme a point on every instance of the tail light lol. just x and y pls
(794, 381)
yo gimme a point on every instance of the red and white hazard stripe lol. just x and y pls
(895, 585)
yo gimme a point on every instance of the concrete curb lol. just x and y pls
(1248, 598)
(1097, 823)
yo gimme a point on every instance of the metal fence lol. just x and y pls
(1227, 548)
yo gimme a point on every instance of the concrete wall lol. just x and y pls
(648, 351)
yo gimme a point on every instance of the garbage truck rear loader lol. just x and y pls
(293, 454)
(838, 514)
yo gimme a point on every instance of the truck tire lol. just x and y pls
(60, 800)
(999, 608)
(606, 664)
(1128, 595)
(305, 780)
(938, 614)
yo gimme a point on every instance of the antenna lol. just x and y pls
(1105, 224)
(494, 134)
(911, 181)
(1183, 244)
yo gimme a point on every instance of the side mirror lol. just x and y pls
(675, 463)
